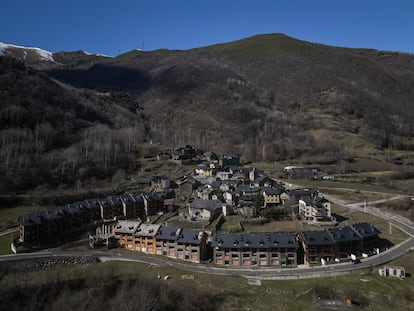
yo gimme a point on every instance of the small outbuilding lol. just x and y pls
(395, 271)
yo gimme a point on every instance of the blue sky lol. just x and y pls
(116, 26)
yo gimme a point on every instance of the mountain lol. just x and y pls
(267, 92)
(31, 56)
(267, 97)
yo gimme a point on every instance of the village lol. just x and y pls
(182, 219)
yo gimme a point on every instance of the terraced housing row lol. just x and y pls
(262, 249)
(259, 249)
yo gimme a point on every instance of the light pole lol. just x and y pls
(365, 204)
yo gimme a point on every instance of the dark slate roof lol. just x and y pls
(231, 182)
(271, 190)
(159, 178)
(229, 156)
(210, 205)
(232, 168)
(208, 153)
(215, 184)
(279, 185)
(318, 201)
(365, 229)
(344, 234)
(46, 215)
(248, 197)
(168, 233)
(153, 196)
(128, 198)
(107, 201)
(68, 209)
(261, 179)
(92, 203)
(57, 211)
(258, 240)
(255, 169)
(137, 196)
(317, 238)
(188, 236)
(246, 190)
(30, 219)
(116, 199)
(302, 192)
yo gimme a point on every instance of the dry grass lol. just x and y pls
(366, 288)
(404, 207)
(178, 221)
(352, 196)
(5, 241)
(276, 226)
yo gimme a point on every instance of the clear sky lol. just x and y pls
(116, 26)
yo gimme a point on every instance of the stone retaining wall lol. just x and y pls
(35, 264)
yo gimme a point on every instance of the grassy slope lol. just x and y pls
(5, 241)
(9, 216)
(371, 291)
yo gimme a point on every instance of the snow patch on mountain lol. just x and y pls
(2, 48)
(101, 55)
(43, 54)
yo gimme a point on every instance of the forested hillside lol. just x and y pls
(264, 96)
(52, 134)
(82, 117)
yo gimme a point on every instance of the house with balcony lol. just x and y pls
(347, 242)
(318, 246)
(261, 249)
(166, 241)
(369, 235)
(204, 210)
(124, 233)
(145, 238)
(271, 196)
(133, 206)
(315, 210)
(111, 208)
(192, 245)
(160, 183)
(153, 203)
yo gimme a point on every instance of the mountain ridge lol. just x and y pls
(267, 97)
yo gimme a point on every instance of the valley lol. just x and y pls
(75, 126)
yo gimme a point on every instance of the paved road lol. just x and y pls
(398, 221)
(274, 273)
